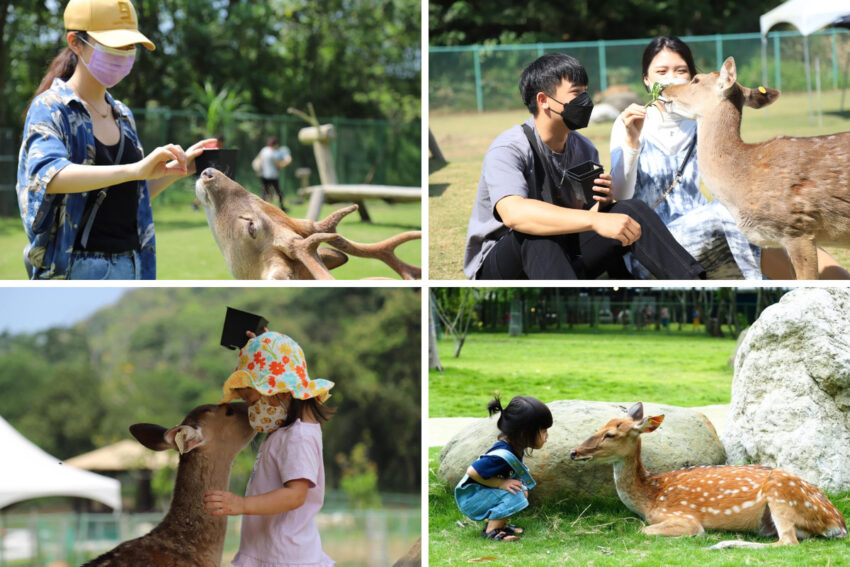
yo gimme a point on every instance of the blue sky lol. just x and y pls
(30, 309)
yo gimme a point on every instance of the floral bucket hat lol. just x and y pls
(273, 363)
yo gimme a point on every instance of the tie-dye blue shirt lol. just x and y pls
(58, 131)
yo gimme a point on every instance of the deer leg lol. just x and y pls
(804, 257)
(674, 527)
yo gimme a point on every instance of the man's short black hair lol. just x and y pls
(545, 75)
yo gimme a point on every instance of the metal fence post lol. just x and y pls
(479, 97)
(834, 59)
(603, 67)
(778, 60)
(718, 50)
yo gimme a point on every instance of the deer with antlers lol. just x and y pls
(788, 192)
(692, 500)
(259, 241)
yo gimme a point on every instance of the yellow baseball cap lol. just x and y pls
(111, 22)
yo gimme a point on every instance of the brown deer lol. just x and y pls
(691, 500)
(791, 192)
(207, 440)
(259, 241)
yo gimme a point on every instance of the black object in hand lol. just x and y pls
(582, 177)
(236, 322)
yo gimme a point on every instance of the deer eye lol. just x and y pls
(695, 81)
(229, 410)
(609, 436)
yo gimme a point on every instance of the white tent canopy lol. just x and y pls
(28, 472)
(808, 16)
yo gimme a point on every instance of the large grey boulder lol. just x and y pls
(791, 391)
(685, 438)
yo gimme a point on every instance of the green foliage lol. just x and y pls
(357, 59)
(218, 106)
(359, 477)
(154, 355)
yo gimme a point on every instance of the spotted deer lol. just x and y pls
(692, 500)
(259, 241)
(207, 440)
(786, 192)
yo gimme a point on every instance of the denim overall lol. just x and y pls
(479, 502)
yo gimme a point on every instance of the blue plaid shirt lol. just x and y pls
(57, 132)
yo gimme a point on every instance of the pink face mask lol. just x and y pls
(109, 65)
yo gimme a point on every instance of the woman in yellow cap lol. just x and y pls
(84, 185)
(287, 484)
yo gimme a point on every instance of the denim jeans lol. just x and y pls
(479, 502)
(102, 266)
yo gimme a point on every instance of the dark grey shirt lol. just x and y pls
(509, 170)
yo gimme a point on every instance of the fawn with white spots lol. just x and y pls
(790, 192)
(689, 501)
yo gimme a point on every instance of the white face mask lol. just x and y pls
(264, 417)
(671, 81)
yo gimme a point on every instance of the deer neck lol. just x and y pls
(197, 474)
(720, 152)
(630, 479)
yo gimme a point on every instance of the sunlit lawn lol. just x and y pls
(683, 368)
(186, 249)
(464, 139)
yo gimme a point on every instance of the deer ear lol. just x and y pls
(649, 424)
(636, 411)
(184, 438)
(150, 435)
(331, 257)
(762, 96)
(728, 75)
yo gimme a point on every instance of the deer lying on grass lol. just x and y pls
(694, 499)
(259, 241)
(791, 192)
(207, 440)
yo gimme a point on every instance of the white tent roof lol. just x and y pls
(28, 472)
(122, 456)
(808, 16)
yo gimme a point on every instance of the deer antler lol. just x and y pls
(384, 251)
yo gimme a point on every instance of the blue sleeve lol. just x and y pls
(489, 466)
(284, 153)
(43, 154)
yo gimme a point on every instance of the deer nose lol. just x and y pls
(573, 454)
(208, 173)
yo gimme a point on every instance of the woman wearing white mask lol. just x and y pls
(84, 185)
(649, 148)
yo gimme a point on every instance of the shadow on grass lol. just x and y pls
(845, 114)
(435, 165)
(437, 189)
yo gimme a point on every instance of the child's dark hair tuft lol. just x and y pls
(522, 420)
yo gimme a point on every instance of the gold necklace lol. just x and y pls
(91, 106)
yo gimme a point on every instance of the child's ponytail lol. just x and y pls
(495, 405)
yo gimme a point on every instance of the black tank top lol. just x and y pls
(115, 222)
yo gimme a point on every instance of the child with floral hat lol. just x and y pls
(287, 484)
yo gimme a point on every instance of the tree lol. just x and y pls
(456, 310)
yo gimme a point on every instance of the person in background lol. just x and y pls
(273, 157)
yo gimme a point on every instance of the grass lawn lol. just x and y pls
(682, 368)
(601, 534)
(186, 249)
(464, 139)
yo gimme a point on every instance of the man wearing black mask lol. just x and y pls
(528, 223)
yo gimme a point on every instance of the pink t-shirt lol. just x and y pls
(292, 538)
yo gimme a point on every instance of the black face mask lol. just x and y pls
(576, 113)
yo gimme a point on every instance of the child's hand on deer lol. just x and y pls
(223, 503)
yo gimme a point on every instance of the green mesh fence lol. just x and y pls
(365, 151)
(486, 78)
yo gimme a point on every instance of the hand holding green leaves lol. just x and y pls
(654, 94)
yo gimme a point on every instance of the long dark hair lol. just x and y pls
(322, 412)
(62, 67)
(521, 421)
(672, 43)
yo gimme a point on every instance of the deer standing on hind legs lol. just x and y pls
(691, 500)
(789, 192)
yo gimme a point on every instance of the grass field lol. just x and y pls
(186, 249)
(464, 139)
(682, 368)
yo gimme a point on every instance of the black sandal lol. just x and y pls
(499, 534)
(513, 530)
